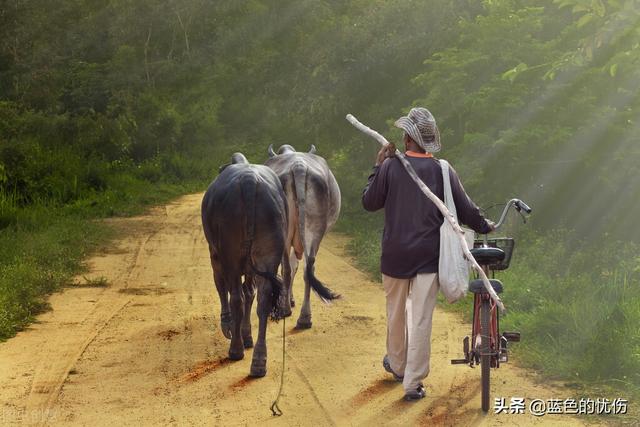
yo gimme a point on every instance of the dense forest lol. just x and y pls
(106, 106)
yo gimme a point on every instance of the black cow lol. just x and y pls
(244, 216)
(313, 196)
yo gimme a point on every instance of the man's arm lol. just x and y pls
(375, 193)
(468, 213)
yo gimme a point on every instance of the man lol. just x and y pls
(411, 244)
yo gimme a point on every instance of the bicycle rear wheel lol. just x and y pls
(485, 351)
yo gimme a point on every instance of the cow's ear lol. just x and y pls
(272, 153)
(238, 158)
(313, 149)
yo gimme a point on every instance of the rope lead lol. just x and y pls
(275, 409)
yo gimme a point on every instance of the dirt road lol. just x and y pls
(147, 349)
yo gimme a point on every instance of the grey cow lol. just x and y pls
(244, 216)
(313, 197)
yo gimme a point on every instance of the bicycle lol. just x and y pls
(487, 347)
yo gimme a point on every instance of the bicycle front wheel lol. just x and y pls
(485, 351)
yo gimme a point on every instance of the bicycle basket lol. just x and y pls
(504, 243)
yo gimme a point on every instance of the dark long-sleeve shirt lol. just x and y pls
(411, 237)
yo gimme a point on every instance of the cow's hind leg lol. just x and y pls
(294, 260)
(304, 320)
(265, 305)
(236, 349)
(249, 295)
(310, 280)
(226, 322)
(289, 268)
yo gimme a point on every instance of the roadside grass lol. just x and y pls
(576, 304)
(365, 232)
(37, 259)
(43, 245)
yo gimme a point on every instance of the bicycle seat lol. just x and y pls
(488, 256)
(476, 286)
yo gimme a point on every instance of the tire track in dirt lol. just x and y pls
(147, 350)
(317, 400)
(49, 379)
(53, 371)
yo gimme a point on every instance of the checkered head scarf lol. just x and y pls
(421, 126)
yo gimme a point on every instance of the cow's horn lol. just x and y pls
(271, 152)
(313, 149)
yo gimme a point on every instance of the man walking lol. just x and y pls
(411, 244)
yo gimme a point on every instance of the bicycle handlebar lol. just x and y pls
(519, 205)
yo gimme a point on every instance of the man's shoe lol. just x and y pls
(387, 367)
(416, 394)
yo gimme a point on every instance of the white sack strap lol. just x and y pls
(469, 234)
(448, 196)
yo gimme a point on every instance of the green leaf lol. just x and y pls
(564, 3)
(509, 75)
(613, 70)
(585, 19)
(513, 73)
(598, 7)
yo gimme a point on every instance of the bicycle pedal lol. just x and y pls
(512, 336)
(502, 357)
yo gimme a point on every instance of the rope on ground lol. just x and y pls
(275, 409)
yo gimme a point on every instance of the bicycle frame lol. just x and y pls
(477, 334)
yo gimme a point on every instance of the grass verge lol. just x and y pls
(42, 247)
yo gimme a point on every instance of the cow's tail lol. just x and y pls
(300, 183)
(248, 188)
(277, 296)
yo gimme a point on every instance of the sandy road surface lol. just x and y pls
(147, 349)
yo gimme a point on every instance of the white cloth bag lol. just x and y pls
(453, 269)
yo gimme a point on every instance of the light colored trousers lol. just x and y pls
(410, 304)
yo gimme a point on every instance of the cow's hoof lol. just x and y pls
(226, 330)
(247, 341)
(258, 369)
(236, 356)
(226, 324)
(303, 324)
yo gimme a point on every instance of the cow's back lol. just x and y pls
(321, 189)
(245, 203)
